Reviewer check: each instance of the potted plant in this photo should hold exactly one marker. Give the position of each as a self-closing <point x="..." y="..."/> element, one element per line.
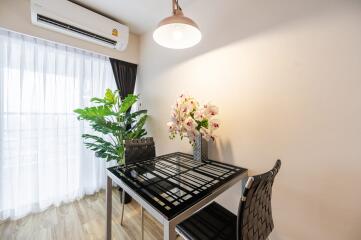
<point x="194" y="121"/>
<point x="112" y="122"/>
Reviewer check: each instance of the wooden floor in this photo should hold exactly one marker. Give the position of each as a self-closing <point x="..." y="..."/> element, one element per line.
<point x="82" y="219"/>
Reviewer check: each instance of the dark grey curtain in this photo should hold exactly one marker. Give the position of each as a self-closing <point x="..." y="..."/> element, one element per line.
<point x="125" y="75"/>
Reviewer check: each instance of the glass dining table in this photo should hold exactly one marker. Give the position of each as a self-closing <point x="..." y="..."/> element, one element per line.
<point x="171" y="187"/>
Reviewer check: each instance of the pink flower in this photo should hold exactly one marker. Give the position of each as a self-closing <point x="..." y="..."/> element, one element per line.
<point x="210" y="110"/>
<point x="171" y="126"/>
<point x="190" y="124"/>
<point x="214" y="124"/>
<point x="198" y="115"/>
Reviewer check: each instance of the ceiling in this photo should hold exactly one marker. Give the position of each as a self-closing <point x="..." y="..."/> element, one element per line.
<point x="140" y="15"/>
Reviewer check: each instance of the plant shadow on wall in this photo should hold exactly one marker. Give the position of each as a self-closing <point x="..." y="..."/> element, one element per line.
<point x="239" y="20"/>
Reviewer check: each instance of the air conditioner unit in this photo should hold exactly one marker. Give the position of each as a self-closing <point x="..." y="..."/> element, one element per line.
<point x="71" y="19"/>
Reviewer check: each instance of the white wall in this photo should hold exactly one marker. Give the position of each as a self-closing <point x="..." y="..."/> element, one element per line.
<point x="286" y="75"/>
<point x="15" y="16"/>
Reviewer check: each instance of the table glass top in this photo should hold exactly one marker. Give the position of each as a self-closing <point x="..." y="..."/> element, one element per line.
<point x="174" y="182"/>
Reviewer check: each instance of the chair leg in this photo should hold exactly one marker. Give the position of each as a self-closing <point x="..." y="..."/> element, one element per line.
<point x="142" y="217"/>
<point x="123" y="200"/>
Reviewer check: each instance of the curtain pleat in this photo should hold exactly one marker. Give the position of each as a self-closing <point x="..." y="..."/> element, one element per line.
<point x="125" y="74"/>
<point x="43" y="160"/>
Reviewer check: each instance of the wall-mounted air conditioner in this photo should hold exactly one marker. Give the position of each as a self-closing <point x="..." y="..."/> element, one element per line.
<point x="71" y="19"/>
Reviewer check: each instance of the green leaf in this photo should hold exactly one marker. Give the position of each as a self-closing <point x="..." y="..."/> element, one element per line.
<point x="98" y="100"/>
<point x="110" y="97"/>
<point x="203" y="123"/>
<point x="138" y="128"/>
<point x="107" y="127"/>
<point x="127" y="103"/>
<point x="133" y="115"/>
<point x="93" y="113"/>
<point x="131" y="118"/>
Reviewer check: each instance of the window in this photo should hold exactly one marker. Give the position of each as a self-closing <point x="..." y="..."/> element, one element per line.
<point x="42" y="157"/>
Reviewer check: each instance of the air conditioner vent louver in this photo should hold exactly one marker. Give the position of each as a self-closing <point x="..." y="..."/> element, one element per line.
<point x="68" y="27"/>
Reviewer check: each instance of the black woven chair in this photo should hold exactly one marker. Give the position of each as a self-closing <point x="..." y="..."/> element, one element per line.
<point x="137" y="150"/>
<point x="254" y="220"/>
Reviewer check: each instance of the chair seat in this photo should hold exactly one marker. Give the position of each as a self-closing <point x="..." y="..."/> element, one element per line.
<point x="213" y="222"/>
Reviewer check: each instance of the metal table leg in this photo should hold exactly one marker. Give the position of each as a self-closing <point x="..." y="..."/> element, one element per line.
<point x="109" y="209"/>
<point x="123" y="202"/>
<point x="142" y="216"/>
<point x="169" y="231"/>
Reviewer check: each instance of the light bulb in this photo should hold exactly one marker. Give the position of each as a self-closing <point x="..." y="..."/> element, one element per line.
<point x="177" y="35"/>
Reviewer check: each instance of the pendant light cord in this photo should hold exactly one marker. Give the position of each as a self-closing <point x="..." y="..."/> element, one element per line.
<point x="176" y="6"/>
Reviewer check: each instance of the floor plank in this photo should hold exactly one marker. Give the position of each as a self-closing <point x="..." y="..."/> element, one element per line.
<point x="83" y="219"/>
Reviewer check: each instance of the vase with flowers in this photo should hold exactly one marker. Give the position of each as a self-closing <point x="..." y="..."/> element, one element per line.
<point x="194" y="121"/>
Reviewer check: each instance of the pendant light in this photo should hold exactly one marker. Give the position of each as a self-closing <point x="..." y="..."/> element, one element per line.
<point x="177" y="31"/>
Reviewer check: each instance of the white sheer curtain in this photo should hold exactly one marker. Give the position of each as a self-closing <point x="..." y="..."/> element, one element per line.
<point x="42" y="157"/>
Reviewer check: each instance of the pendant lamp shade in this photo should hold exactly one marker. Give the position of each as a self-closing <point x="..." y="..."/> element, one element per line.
<point x="177" y="31"/>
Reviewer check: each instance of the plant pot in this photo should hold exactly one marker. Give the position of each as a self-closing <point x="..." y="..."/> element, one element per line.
<point x="127" y="198"/>
<point x="200" y="149"/>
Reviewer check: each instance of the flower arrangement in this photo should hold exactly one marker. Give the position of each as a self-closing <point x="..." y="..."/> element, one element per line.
<point x="189" y="119"/>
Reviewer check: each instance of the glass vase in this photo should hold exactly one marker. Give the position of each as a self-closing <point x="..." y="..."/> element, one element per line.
<point x="200" y="149"/>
